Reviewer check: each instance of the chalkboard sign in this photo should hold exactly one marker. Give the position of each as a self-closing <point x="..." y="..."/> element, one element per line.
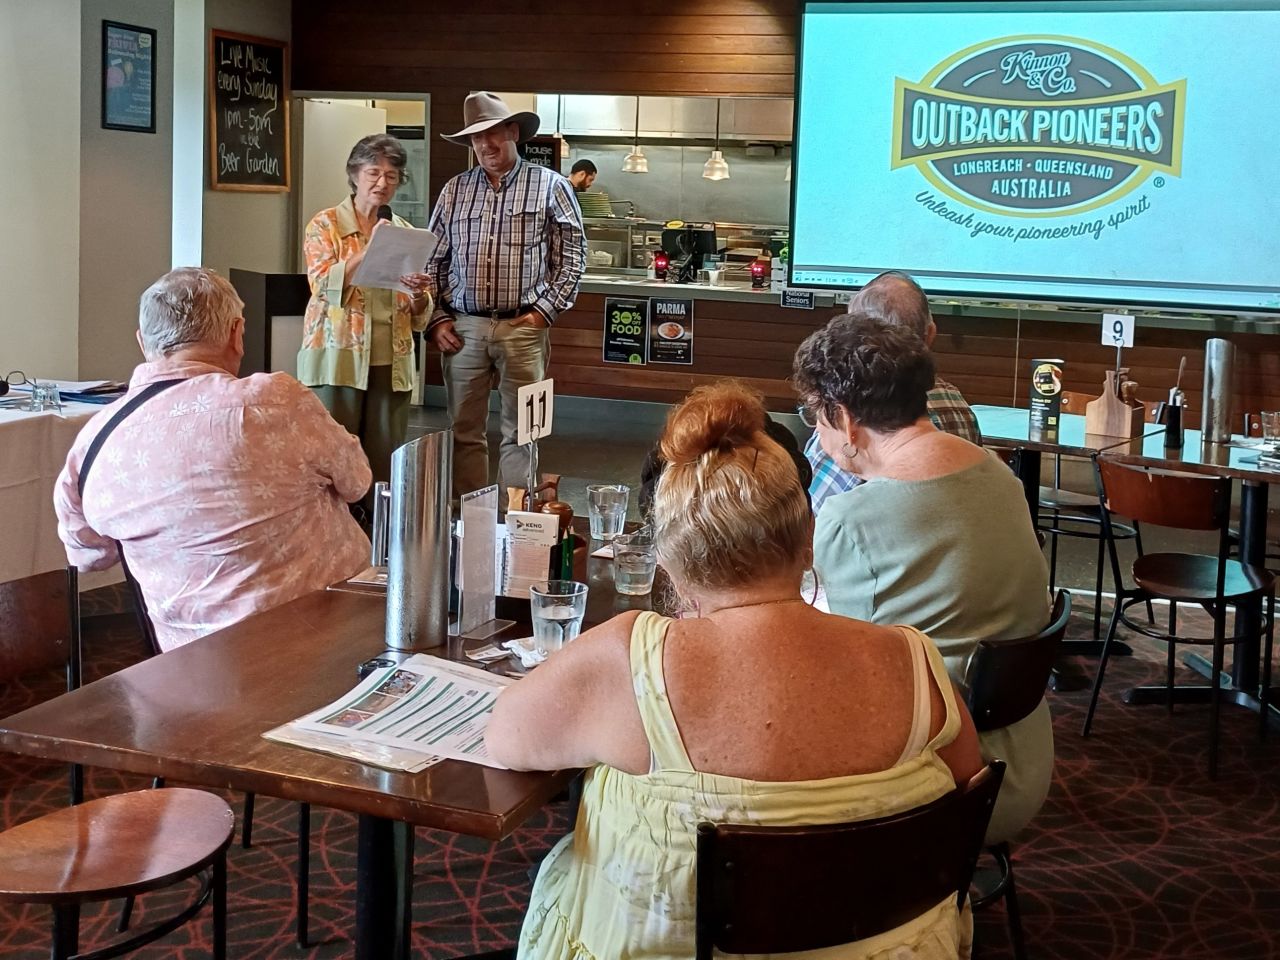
<point x="542" y="152"/>
<point x="248" y="113"/>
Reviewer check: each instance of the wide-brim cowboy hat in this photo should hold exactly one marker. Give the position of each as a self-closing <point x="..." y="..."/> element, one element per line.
<point x="483" y="110"/>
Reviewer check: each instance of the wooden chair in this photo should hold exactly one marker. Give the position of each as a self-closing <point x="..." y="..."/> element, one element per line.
<point x="782" y="889"/>
<point x="120" y="846"/>
<point x="39" y="629"/>
<point x="303" y="901"/>
<point x="1079" y="515"/>
<point x="1185" y="502"/>
<point x="1005" y="680"/>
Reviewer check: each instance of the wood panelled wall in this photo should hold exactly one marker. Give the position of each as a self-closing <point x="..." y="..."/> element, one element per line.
<point x="984" y="357"/>
<point x="650" y="47"/>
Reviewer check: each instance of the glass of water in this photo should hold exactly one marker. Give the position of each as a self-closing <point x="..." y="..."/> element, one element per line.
<point x="1271" y="429"/>
<point x="558" y="607"/>
<point x="635" y="560"/>
<point x="607" y="508"/>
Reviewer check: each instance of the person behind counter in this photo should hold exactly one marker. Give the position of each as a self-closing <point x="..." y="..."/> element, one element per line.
<point x="357" y="342"/>
<point x="833" y="719"/>
<point x="582" y="175"/>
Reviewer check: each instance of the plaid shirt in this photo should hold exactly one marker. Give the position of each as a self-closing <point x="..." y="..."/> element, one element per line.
<point x="518" y="246"/>
<point x="948" y="411"/>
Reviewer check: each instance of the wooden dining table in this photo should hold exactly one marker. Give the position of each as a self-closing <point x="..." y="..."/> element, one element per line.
<point x="197" y="715"/>
<point x="1236" y="459"/>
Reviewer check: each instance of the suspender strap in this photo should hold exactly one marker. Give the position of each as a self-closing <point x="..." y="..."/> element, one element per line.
<point x="134" y="402"/>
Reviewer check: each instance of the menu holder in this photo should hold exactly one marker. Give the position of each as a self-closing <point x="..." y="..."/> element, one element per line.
<point x="1112" y="415"/>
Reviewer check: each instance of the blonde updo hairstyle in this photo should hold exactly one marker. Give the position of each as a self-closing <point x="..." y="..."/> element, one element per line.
<point x="729" y="507"/>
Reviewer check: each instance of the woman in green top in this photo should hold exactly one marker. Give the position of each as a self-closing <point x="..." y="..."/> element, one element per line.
<point x="938" y="537"/>
<point x="357" y="342"/>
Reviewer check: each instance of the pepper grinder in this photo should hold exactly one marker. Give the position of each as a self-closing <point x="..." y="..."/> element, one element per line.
<point x="1173" y="412"/>
<point x="1173" y="420"/>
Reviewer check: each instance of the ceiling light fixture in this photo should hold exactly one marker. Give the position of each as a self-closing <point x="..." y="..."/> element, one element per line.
<point x="636" y="161"/>
<point x="716" y="168"/>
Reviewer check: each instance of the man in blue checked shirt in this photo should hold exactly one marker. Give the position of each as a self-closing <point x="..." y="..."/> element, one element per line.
<point x="896" y="297"/>
<point x="510" y="260"/>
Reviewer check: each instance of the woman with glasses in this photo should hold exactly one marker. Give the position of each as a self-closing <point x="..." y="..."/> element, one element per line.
<point x="357" y="342"/>
<point x="937" y="536"/>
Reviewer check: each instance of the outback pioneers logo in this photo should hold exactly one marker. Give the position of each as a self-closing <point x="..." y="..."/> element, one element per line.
<point x="1037" y="126"/>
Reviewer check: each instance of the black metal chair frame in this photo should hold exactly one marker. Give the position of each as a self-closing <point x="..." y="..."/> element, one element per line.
<point x="1084" y="522"/>
<point x="1215" y="606"/>
<point x="994" y="703"/>
<point x="302" y="904"/>
<point x="213" y="886"/>
<point x="758" y="891"/>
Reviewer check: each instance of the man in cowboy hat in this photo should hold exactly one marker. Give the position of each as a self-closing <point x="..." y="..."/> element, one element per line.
<point x="511" y="255"/>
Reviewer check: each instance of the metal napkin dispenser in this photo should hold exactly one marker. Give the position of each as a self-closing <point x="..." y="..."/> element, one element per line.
<point x="418" y="540"/>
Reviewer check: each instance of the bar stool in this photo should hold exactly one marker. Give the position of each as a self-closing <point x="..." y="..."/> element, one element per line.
<point x="1185" y="502"/>
<point x="120" y="846"/>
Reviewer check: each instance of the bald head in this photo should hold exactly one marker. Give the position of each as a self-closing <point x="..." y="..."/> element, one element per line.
<point x="895" y="297"/>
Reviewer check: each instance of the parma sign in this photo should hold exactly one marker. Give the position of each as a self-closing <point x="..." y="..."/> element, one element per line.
<point x="1037" y="126"/>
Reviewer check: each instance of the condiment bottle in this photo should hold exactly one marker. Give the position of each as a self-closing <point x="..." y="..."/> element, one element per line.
<point x="561" y="566"/>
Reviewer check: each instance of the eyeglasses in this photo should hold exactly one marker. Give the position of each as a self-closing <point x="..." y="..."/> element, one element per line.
<point x="373" y="175"/>
<point x="808" y="416"/>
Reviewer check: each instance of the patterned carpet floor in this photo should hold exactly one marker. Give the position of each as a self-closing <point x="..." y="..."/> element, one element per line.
<point x="1136" y="854"/>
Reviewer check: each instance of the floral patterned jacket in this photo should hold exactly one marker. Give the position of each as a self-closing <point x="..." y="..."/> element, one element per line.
<point x="337" y="326"/>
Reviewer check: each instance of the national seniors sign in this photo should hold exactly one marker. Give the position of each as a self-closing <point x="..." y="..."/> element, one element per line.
<point x="1037" y="126"/>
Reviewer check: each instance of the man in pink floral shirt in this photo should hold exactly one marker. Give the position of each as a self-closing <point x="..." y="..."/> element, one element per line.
<point x="228" y="496"/>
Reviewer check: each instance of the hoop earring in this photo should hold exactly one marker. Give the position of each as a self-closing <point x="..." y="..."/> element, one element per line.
<point x="844" y="451"/>
<point x="817" y="587"/>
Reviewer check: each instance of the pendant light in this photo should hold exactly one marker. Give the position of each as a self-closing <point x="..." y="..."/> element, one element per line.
<point x="564" y="144"/>
<point x="716" y="168"/>
<point x="636" y="161"/>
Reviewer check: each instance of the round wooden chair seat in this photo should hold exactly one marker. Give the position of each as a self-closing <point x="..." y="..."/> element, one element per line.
<point x="114" y="846"/>
<point x="1194" y="577"/>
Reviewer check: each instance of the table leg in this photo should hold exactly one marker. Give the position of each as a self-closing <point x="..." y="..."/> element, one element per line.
<point x="1029" y="474"/>
<point x="379" y="933"/>
<point x="1253" y="550"/>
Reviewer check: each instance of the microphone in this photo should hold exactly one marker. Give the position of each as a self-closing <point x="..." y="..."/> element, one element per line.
<point x="384" y="212"/>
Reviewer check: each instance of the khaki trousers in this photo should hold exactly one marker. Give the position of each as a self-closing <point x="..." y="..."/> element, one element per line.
<point x="515" y="356"/>
<point x="379" y="416"/>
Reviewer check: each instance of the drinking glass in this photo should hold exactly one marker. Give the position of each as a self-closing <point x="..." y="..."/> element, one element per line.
<point x="558" y="607"/>
<point x="635" y="560"/>
<point x="44" y="396"/>
<point x="1271" y="429"/>
<point x="607" y="508"/>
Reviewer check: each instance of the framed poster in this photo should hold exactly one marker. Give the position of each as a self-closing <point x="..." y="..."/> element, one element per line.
<point x="128" y="77"/>
<point x="248" y="113"/>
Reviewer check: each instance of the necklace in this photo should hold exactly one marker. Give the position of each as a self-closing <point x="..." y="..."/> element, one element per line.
<point x="756" y="603"/>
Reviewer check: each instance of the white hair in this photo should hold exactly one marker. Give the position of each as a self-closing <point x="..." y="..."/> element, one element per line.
<point x="188" y="305"/>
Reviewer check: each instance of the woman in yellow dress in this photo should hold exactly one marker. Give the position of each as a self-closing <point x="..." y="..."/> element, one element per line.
<point x="758" y="710"/>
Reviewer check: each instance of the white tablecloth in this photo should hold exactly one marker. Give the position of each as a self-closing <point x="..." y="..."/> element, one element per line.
<point x="33" y="448"/>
